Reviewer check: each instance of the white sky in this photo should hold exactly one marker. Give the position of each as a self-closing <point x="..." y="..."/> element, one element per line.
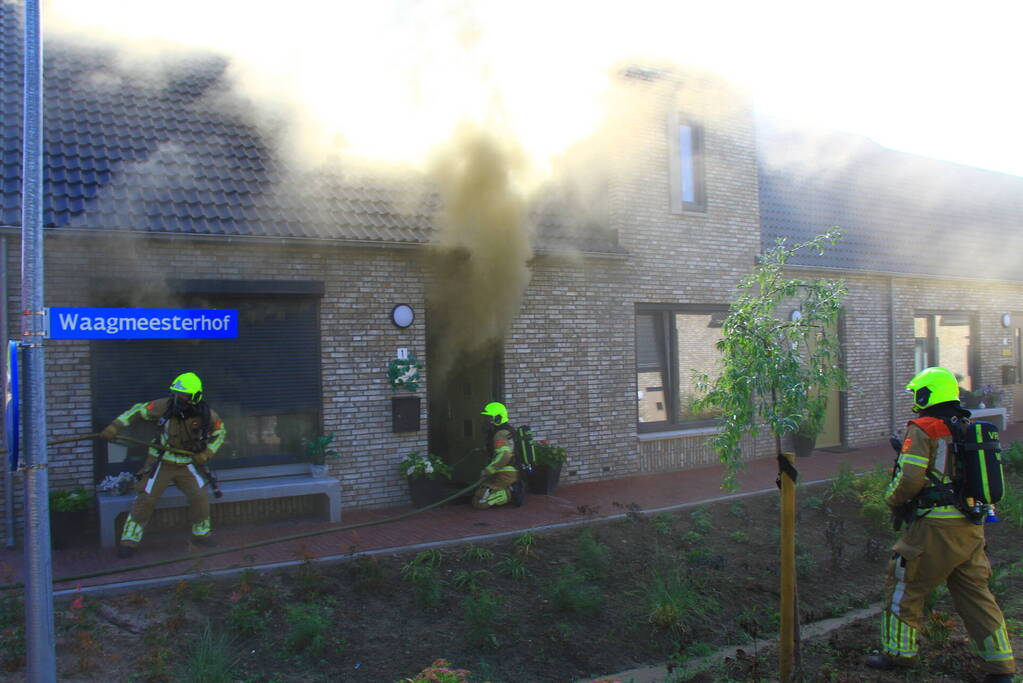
<point x="935" y="78"/>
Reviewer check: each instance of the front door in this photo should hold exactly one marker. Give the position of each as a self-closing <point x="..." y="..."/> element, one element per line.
<point x="457" y="428"/>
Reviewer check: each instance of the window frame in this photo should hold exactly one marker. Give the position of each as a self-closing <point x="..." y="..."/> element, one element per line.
<point x="667" y="352"/>
<point x="931" y="347"/>
<point x="676" y="175"/>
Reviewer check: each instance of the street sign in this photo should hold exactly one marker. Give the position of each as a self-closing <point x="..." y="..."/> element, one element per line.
<point x="11" y="420"/>
<point x="142" y="323"/>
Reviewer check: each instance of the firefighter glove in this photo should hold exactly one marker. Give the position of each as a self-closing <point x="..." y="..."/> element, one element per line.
<point x="109" y="432"/>
<point x="203" y="457"/>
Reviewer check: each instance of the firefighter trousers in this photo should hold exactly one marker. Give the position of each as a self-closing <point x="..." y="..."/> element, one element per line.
<point x="187" y="478"/>
<point x="950" y="551"/>
<point x="494" y="489"/>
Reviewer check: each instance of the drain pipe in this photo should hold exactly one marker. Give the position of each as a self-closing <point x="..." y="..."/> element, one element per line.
<point x="4" y="333"/>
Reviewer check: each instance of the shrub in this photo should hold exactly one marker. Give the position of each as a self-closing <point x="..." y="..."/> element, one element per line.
<point x="481" y="612"/>
<point x="672" y="599"/>
<point x="594" y="557"/>
<point x="210" y="660"/>
<point x="307" y="628"/>
<point x="571" y="593"/>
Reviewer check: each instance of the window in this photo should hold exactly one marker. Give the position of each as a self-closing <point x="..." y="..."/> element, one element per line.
<point x="672" y="342"/>
<point x="688" y="191"/>
<point x="265" y="384"/>
<point x="945" y="339"/>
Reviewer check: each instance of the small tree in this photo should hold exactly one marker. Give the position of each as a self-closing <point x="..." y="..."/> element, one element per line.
<point x="775" y="371"/>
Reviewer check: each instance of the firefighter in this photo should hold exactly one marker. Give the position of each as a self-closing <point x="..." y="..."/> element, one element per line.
<point x="501" y="481"/>
<point x="184" y="421"/>
<point x="940" y="544"/>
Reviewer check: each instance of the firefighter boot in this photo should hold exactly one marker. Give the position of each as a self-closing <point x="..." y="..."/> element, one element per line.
<point x="204" y="541"/>
<point x="518" y="493"/>
<point x="125" y="551"/>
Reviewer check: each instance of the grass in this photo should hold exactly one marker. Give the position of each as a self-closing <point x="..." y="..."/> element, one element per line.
<point x="212" y="659"/>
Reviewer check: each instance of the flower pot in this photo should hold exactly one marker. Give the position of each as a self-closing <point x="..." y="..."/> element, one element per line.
<point x="426" y="491"/>
<point x="67" y="526"/>
<point x="803" y="445"/>
<point x="318" y="471"/>
<point x="543" y="480"/>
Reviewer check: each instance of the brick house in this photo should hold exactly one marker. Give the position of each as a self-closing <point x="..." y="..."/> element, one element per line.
<point x="163" y="193"/>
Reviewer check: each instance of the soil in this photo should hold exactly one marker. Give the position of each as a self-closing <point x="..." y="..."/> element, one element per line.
<point x="564" y="606"/>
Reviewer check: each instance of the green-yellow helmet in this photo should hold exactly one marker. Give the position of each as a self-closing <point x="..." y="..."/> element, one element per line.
<point x="933" y="386"/>
<point x="189" y="384"/>
<point x="497" y="411"/>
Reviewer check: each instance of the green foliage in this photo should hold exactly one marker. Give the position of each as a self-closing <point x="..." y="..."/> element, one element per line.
<point x="476" y="553"/>
<point x="366" y="574"/>
<point x="422" y="573"/>
<point x="481" y="612"/>
<point x="513" y="567"/>
<point x="469" y="580"/>
<point x="594" y="557"/>
<point x="739" y="536"/>
<point x="416" y="465"/>
<point x="672" y="599"/>
<point x="702" y="523"/>
<point x="12" y="632"/>
<point x="737" y="509"/>
<point x="813" y="502"/>
<point x="1012" y="458"/>
<point x="1010" y="507"/>
<point x="572" y="593"/>
<point x="439" y="672"/>
<point x="774" y="370"/>
<point x="664" y="523"/>
<point x="318" y="449"/>
<point x="525" y="542"/>
<point x="870" y="489"/>
<point x="692" y="538"/>
<point x="71" y="500"/>
<point x="308" y="626"/>
<point x="251" y="610"/>
<point x="549" y="454"/>
<point x="805" y="565"/>
<point x="843" y="485"/>
<point x="209" y="659"/>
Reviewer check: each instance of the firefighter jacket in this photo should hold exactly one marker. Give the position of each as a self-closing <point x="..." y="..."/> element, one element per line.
<point x="191" y="432"/>
<point x="926" y="456"/>
<point x="502" y="451"/>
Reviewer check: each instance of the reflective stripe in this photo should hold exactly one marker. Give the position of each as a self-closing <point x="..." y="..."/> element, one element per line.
<point x="910" y="459"/>
<point x="897" y="637"/>
<point x="900" y="585"/>
<point x="942" y="512"/>
<point x="139" y="408"/>
<point x="132" y="530"/>
<point x="202" y="528"/>
<point x="152" y="478"/>
<point x="195" y="473"/>
<point x="940" y="455"/>
<point x="996" y="647"/>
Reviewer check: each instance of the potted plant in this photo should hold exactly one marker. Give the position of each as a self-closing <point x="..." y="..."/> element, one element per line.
<point x="122" y="484"/>
<point x="425" y="474"/>
<point x="70" y="513"/>
<point x="318" y="450"/>
<point x="989" y="396"/>
<point x="547" y="471"/>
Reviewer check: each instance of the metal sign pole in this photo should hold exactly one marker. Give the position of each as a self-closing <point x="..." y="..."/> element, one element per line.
<point x="39" y="629"/>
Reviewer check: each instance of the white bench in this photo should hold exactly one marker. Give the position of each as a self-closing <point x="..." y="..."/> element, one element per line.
<point x="998" y="416"/>
<point x="241" y="484"/>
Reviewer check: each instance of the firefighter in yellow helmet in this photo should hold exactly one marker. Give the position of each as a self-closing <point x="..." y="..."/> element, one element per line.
<point x="501" y="480"/>
<point x="940" y="544"/>
<point x="184" y="421"/>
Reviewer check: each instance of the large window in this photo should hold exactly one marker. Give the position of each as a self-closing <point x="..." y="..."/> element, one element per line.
<point x="265" y="384"/>
<point x="688" y="191"/>
<point x="946" y="340"/>
<point x="672" y="342"/>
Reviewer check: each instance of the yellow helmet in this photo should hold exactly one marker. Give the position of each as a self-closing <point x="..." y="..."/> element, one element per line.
<point x="189" y="384"/>
<point x="933" y="386"/>
<point x="497" y="411"/>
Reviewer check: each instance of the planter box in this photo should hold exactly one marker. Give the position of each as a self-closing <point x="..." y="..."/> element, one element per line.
<point x="426" y="491"/>
<point x="67" y="527"/>
<point x="543" y="480"/>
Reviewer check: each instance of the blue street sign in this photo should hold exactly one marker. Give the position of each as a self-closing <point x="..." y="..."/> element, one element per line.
<point x="11" y="420"/>
<point x="142" y="323"/>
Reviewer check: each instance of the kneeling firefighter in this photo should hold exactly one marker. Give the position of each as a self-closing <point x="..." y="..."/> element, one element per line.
<point x="940" y="544"/>
<point x="501" y="481"/>
<point x="185" y="422"/>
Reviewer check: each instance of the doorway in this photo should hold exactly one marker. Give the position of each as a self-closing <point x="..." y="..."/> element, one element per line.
<point x="455" y="400"/>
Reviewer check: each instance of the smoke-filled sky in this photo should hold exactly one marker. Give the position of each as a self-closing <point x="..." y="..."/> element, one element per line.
<point x="392" y="79"/>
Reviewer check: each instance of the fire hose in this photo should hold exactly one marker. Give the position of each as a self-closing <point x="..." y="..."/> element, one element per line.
<point x="246" y="546"/>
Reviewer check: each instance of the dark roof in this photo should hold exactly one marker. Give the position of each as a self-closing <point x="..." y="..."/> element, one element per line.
<point x="901" y="213"/>
<point x="170" y="151"/>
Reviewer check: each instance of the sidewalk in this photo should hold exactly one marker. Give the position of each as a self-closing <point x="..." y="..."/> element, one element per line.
<point x="572" y="503"/>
